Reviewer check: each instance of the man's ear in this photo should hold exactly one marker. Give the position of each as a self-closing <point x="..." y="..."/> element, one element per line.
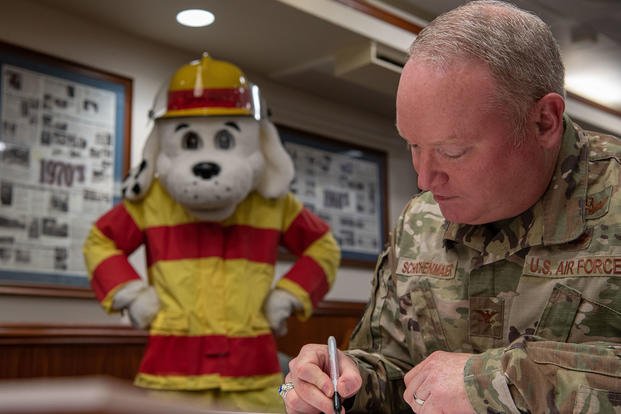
<point x="548" y="118"/>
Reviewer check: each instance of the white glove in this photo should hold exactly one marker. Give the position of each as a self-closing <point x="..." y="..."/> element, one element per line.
<point x="141" y="303"/>
<point x="125" y="295"/>
<point x="279" y="305"/>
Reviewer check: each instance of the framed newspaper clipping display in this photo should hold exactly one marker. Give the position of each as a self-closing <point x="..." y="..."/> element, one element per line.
<point x="345" y="185"/>
<point x="64" y="150"/>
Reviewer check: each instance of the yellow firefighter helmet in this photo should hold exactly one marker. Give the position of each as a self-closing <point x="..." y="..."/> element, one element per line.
<point x="208" y="87"/>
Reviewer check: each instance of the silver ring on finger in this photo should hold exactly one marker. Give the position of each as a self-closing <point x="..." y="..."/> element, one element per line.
<point x="419" y="401"/>
<point x="284" y="389"/>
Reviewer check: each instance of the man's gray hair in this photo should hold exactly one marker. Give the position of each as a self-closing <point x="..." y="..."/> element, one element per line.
<point x="517" y="46"/>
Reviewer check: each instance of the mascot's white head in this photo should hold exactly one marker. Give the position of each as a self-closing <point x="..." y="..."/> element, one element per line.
<point x="211" y="143"/>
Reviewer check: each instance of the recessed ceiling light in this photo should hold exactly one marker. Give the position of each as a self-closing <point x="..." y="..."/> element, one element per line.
<point x="195" y="17"/>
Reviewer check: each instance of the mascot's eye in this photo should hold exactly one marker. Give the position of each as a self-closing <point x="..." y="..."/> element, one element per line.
<point x="191" y="140"/>
<point x="224" y="139"/>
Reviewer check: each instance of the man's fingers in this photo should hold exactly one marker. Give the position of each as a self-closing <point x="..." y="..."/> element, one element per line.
<point x="349" y="381"/>
<point x="415" y="379"/>
<point x="416" y="370"/>
<point x="295" y="404"/>
<point x="313" y="385"/>
<point x="313" y="396"/>
<point x="414" y="387"/>
<point x="310" y="367"/>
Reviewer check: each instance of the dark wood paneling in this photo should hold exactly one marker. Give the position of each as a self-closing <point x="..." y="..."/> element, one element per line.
<point x="60" y="360"/>
<point x="28" y="351"/>
<point x="44" y="350"/>
<point x="330" y="318"/>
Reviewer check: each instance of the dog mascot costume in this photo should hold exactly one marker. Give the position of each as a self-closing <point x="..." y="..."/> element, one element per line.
<point x="210" y="202"/>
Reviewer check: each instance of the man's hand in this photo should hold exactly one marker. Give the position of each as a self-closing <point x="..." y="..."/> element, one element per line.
<point x="436" y="385"/>
<point x="313" y="389"/>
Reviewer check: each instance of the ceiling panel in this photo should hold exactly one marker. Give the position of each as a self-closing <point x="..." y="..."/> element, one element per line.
<point x="588" y="31"/>
<point x="290" y="46"/>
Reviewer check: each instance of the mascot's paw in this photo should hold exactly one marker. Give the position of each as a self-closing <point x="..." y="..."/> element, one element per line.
<point x="138" y="181"/>
<point x="140" y="300"/>
<point x="144" y="308"/>
<point x="279" y="305"/>
<point x="128" y="293"/>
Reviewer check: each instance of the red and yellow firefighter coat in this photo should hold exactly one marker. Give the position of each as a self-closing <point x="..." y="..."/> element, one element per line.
<point x="211" y="279"/>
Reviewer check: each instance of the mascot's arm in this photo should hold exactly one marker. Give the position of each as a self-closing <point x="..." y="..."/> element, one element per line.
<point x="314" y="271"/>
<point x="113" y="237"/>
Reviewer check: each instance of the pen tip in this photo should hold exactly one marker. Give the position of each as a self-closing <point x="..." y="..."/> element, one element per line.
<point x="337" y="403"/>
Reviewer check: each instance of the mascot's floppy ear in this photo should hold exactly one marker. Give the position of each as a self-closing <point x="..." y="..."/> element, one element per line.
<point x="138" y="181"/>
<point x="278" y="171"/>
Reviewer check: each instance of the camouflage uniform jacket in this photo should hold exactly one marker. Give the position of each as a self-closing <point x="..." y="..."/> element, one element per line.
<point x="536" y="298"/>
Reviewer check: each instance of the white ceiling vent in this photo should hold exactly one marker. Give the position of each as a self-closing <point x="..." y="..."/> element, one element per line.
<point x="372" y="65"/>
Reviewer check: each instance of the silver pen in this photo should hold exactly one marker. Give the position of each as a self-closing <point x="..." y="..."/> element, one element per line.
<point x="334" y="372"/>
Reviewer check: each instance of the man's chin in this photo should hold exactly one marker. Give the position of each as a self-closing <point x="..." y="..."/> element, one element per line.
<point x="459" y="215"/>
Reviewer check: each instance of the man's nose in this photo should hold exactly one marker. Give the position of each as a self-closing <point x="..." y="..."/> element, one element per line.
<point x="428" y="171"/>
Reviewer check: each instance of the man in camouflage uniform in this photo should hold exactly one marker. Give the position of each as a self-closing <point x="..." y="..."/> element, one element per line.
<point x="500" y="290"/>
<point x="535" y="297"/>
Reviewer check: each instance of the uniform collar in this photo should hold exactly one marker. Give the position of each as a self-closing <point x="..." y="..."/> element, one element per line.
<point x="563" y="202"/>
<point x="557" y="217"/>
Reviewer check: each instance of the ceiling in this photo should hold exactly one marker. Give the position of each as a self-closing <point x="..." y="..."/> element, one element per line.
<point x="588" y="32"/>
<point x="320" y="53"/>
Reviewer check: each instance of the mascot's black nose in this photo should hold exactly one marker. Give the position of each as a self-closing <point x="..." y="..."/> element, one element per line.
<point x="206" y="170"/>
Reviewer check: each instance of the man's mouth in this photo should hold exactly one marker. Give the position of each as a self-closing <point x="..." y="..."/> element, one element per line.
<point x="441" y="198"/>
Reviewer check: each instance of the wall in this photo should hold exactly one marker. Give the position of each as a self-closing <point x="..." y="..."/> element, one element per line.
<point x="29" y="24"/>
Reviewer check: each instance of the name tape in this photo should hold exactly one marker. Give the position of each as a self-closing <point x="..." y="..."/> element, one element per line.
<point x="578" y="266"/>
<point x="433" y="268"/>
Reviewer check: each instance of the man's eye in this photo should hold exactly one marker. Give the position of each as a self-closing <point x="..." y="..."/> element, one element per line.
<point x="224" y="140"/>
<point x="452" y="152"/>
<point x="191" y="141"/>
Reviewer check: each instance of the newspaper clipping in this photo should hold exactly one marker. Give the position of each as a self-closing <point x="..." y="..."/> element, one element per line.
<point x="344" y="191"/>
<point x="57" y="149"/>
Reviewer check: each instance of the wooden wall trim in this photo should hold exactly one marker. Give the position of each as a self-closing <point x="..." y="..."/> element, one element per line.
<point x="47" y="291"/>
<point x="340" y="309"/>
<point x="16" y="333"/>
<point x="381" y="14"/>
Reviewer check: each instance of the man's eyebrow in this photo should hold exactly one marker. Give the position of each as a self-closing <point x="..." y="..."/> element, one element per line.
<point x="232" y="125"/>
<point x="181" y="126"/>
